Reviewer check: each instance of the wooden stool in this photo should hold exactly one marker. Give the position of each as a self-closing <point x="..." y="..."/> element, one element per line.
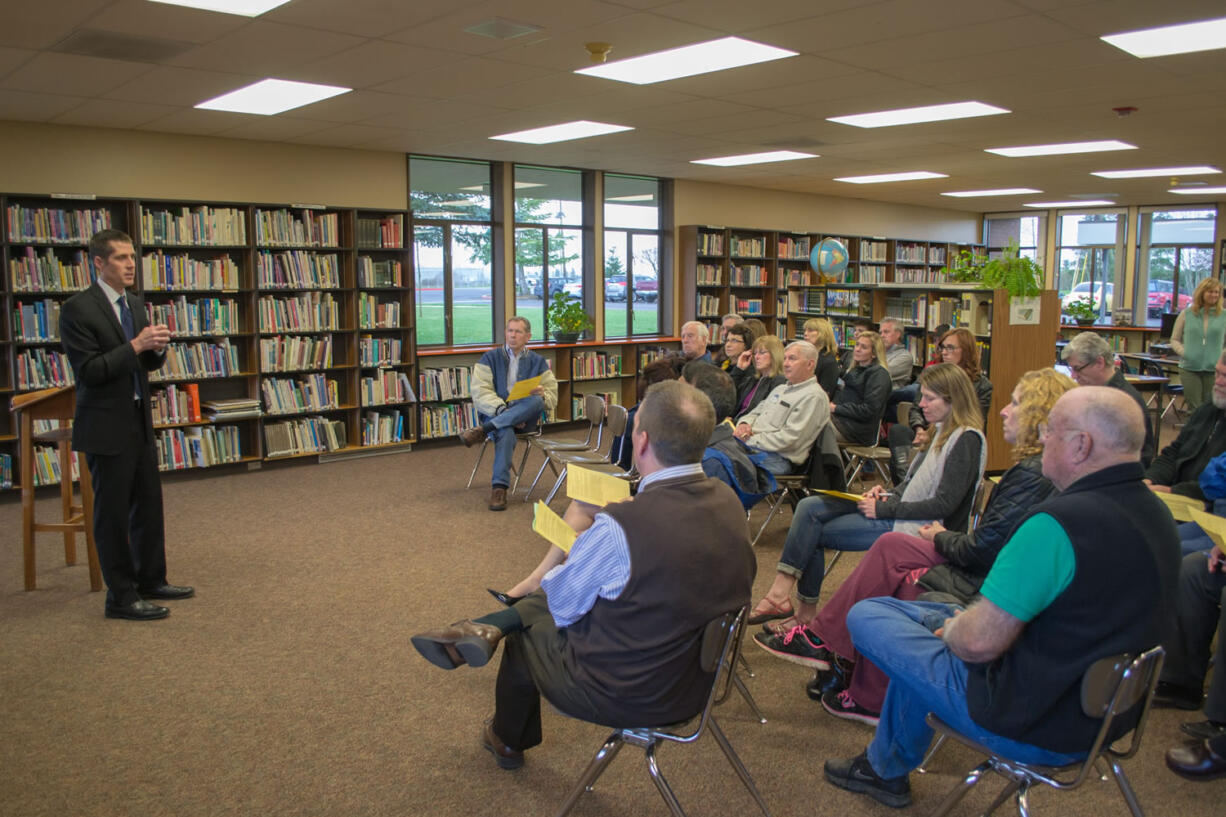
<point x="55" y="404"/>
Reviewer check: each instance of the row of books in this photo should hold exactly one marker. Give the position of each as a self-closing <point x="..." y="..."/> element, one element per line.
<point x="870" y="274"/>
<point x="304" y="435"/>
<point x="233" y="408"/>
<point x="595" y="365"/>
<point x="288" y="353"/>
<point x="203" y="316"/>
<point x="387" y="386"/>
<point x="382" y="427"/>
<point x="387" y="232"/>
<point x="708" y="275"/>
<point x="807" y="300"/>
<point x="376" y="314"/>
<point x="921" y="275"/>
<point x="922" y="312"/>
<point x="374" y="351"/>
<point x="51" y="225"/>
<point x="6" y="471"/>
<point x="40" y="368"/>
<point x="796" y="249"/>
<point x="649" y="354"/>
<point x="303" y="228"/>
<point x="298" y="270"/>
<point x="577" y="400"/>
<point x="798" y="278"/>
<point x="873" y="250"/>
<point x="445" y="384"/>
<point x="844" y="301"/>
<point x="204" y="226"/>
<point x="168" y="272"/>
<point x="175" y="404"/>
<point x="708" y="304"/>
<point x="749" y="275"/>
<point x="749" y="306"/>
<point x="310" y="393"/>
<point x="748" y="247"/>
<point x="385" y="273"/>
<point x="710" y="243"/>
<point x="306" y="312"/>
<point x="191" y="361"/>
<point x="32" y="272"/>
<point x="197" y="447"/>
<point x="39" y="320"/>
<point x="446" y="419"/>
<point x="47" y="466"/>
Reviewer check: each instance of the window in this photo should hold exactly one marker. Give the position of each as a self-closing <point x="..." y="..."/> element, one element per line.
<point x="632" y="256"/>
<point x="1026" y="230"/>
<point x="1176" y="253"/>
<point x="1089" y="248"/>
<point x="549" y="247"/>
<point x="453" y="259"/>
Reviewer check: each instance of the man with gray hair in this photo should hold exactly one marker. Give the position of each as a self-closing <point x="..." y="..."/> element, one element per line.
<point x="716" y="349"/>
<point x="1091" y="362"/>
<point x="694" y="337"/>
<point x="1007" y="670"/>
<point x="613" y="635"/>
<point x="785" y="425"/>
<point x="898" y="360"/>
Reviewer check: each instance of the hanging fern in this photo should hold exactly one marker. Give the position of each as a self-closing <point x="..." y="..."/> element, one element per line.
<point x="1019" y="276"/>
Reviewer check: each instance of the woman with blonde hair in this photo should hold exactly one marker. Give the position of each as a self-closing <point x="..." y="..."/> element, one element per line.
<point x="820" y="333"/>
<point x="757" y="372"/>
<point x="947" y="561"/>
<point x="857" y="409"/>
<point x="939" y="487"/>
<point x="1197" y="337"/>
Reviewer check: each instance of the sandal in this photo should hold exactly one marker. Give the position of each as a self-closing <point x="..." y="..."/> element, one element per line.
<point x="781" y="626"/>
<point x="767" y="610"/>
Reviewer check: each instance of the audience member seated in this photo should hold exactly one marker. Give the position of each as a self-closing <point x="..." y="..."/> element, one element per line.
<point x="757" y="373"/>
<point x="785" y="425"/>
<point x="857" y="410"/>
<point x="657" y="371"/>
<point x="614" y="637"/>
<point x="946" y="560"/>
<point x="898" y="359"/>
<point x="694" y="338"/>
<point x="726" y="458"/>
<point x="1092" y="363"/>
<point x="820" y="333"/>
<point x="715" y="346"/>
<point x="492" y="378"/>
<point x="858" y="326"/>
<point x="909" y="393"/>
<point x="940" y="486"/>
<point x="756" y="328"/>
<point x="1007" y="671"/>
<point x="737" y="341"/>
<point x="957" y="346"/>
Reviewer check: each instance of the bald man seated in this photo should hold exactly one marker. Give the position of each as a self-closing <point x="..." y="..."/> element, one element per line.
<point x="1007" y="670"/>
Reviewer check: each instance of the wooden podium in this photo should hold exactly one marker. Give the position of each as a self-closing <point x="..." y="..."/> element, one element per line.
<point x="55" y="404"/>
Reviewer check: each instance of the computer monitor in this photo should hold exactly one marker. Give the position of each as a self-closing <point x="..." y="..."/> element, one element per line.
<point x="1168" y="324"/>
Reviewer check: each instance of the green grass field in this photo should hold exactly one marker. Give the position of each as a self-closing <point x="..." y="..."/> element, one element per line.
<point x="473" y="322"/>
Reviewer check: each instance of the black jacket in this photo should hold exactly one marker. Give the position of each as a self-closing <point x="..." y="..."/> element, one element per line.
<point x="745" y="380"/>
<point x="971" y="555"/>
<point x="860" y="405"/>
<point x="828" y="373"/>
<point x="1180" y="463"/>
<point x="983" y="391"/>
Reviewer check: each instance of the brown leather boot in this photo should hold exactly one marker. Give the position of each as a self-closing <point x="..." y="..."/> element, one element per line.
<point x="504" y="756"/>
<point x="465" y="642"/>
<point x="498" y="498"/>
<point x="472" y="436"/>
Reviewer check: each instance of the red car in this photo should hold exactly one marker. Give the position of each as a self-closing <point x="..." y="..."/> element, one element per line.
<point x="646" y="289"/>
<point x="1159" y="300"/>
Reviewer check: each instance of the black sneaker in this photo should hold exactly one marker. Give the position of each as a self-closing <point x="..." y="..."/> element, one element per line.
<point x="842" y="705"/>
<point x="855" y="774"/>
<point x="835" y="679"/>
<point x="1203" y="730"/>
<point x="798" y="645"/>
<point x="1177" y="697"/>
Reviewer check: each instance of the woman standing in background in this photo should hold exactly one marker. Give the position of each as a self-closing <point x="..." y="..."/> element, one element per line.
<point x="1198" y="338"/>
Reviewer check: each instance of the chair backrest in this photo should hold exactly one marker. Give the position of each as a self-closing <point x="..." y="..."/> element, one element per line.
<point x="616" y="419"/>
<point x="721" y="640"/>
<point x="593" y="408"/>
<point x="904" y="412"/>
<point x="983" y="492"/>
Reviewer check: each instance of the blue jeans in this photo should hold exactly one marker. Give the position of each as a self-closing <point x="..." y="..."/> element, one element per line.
<point x="925" y="676"/>
<point x="523" y="412"/>
<point x="820" y="522"/>
<point x="777" y="464"/>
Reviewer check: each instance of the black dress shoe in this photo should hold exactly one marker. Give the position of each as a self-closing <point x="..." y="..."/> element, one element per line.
<point x="1203" y="730"/>
<point x="464" y="642"/>
<point x="167" y="591"/>
<point x="504" y="756"/>
<point x="1177" y="697"/>
<point x="503" y="598"/>
<point x="1196" y="761"/>
<point x="139" y="610"/>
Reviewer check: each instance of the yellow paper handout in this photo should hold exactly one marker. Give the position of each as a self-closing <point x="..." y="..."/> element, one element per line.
<point x="1214" y="526"/>
<point x="1181" y="506"/>
<point x="552" y="527"/>
<point x="523" y="388"/>
<point x="594" y="487"/>
<point x="840" y="495"/>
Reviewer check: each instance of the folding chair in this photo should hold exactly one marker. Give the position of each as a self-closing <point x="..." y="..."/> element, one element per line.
<point x="594" y="412"/>
<point x="795" y="486"/>
<point x="615" y="426"/>
<point x="525" y="438"/>
<point x="1110" y="688"/>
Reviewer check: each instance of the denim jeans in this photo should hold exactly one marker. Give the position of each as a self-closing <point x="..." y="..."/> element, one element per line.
<point x="525" y="411"/>
<point x="820" y="522"/>
<point x="777" y="464"/>
<point x="925" y="676"/>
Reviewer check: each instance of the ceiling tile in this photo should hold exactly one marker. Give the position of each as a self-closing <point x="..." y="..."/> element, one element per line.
<point x="112" y="113"/>
<point x="141" y="18"/>
<point x="30" y="25"/>
<point x="365" y="18"/>
<point x="372" y="63"/>
<point x="26" y="107"/>
<point x="12" y="58"/>
<point x="72" y="74"/>
<point x="195" y="122"/>
<point x="266" y="49"/>
<point x="462" y="75"/>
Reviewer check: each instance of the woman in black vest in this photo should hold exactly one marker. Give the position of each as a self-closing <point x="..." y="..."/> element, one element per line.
<point x="857" y="410"/>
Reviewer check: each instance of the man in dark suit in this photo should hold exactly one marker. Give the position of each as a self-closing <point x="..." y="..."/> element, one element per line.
<point x="111" y="346"/>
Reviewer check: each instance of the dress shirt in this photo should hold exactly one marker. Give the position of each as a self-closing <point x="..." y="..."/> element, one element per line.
<point x="599" y="561"/>
<point x="513" y="365"/>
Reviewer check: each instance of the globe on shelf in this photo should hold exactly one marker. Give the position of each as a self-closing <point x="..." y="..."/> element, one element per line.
<point x="829" y="260"/>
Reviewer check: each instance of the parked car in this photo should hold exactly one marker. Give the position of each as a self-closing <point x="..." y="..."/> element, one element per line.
<point x="1160" y="299"/>
<point x="646" y="289"/>
<point x="554" y="288"/>
<point x="574" y="289"/>
<point x="615" y="288"/>
<point x="1082" y="291"/>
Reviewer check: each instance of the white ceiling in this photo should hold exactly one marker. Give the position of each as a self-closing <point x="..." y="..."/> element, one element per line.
<point x="424" y="85"/>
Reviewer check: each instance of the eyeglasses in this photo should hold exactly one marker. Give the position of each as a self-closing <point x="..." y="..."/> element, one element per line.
<point x="1078" y="369"/>
<point x="949" y="347"/>
<point x="734" y="339"/>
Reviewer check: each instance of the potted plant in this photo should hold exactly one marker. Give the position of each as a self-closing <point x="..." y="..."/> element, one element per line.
<point x="1018" y="275"/>
<point x="566" y="318"/>
<point x="1083" y="311"/>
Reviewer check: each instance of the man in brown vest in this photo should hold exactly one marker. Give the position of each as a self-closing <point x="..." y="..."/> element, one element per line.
<point x="613" y="635"/>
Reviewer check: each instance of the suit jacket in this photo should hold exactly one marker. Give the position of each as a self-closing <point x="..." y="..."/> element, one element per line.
<point x="103" y="361"/>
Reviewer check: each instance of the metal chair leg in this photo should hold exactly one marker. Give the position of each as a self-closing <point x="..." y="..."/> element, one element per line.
<point x="477" y="464"/>
<point x="547" y="463"/>
<point x="955" y="796"/>
<point x="932" y="750"/>
<point x="744" y="690"/>
<point x="740" y="659"/>
<point x="1130" y="797"/>
<point x="519" y="472"/>
<point x="556" y="486"/>
<point x="594" y="769"/>
<point x="737" y="765"/>
<point x="657" y="777"/>
<point x="1010" y="787"/>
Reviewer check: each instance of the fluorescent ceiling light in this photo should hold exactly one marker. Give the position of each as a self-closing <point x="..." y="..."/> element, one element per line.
<point x="754" y="158"/>
<point x="1206" y="35"/>
<point x="911" y="116"/>
<point x="1148" y="172"/>
<point x="1080" y="203"/>
<point x="1064" y="147"/>
<point x="1197" y="191"/>
<point x="271" y="96"/>
<point x="688" y="61"/>
<point x="893" y="177"/>
<point x="636" y="197"/>
<point x="246" y="8"/>
<point x="1004" y="191"/>
<point x="563" y="132"/>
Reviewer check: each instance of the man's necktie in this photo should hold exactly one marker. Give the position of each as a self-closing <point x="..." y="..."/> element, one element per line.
<point x="129" y="332"/>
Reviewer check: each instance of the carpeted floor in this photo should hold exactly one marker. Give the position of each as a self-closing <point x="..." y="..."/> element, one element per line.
<point x="287" y="686"/>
